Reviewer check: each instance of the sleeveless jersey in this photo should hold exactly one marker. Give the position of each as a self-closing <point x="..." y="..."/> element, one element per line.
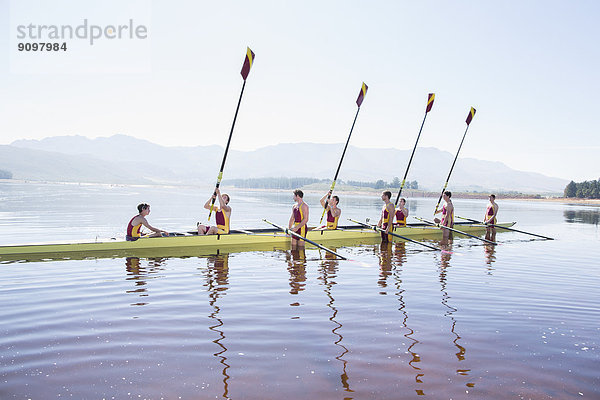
<point x="332" y="221"/>
<point x="446" y="217"/>
<point x="298" y="217"/>
<point x="133" y="230"/>
<point x="222" y="221"/>
<point x="400" y="218"/>
<point x="488" y="213"/>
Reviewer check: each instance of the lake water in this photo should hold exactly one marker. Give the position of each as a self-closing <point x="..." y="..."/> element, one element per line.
<point x="517" y="321"/>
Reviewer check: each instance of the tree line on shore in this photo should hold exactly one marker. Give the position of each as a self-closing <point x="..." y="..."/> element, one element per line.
<point x="583" y="190"/>
<point x="5" y="174"/>
<point x="293" y="183"/>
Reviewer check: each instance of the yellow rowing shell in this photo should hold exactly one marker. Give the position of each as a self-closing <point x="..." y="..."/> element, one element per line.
<point x="190" y="245"/>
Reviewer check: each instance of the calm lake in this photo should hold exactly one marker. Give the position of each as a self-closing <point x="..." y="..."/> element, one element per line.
<point x="517" y="321"/>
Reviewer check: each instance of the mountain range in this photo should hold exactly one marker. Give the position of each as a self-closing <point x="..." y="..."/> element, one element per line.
<point x="125" y="160"/>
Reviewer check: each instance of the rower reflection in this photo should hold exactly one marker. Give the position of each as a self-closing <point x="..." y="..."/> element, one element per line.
<point x="443" y="270"/>
<point x="490" y="256"/>
<point x="217" y="283"/>
<point x="140" y="275"/>
<point x="385" y="263"/>
<point x="296" y="259"/>
<point x="329" y="268"/>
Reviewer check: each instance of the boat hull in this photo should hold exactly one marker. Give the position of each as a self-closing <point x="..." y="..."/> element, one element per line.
<point x="189" y="244"/>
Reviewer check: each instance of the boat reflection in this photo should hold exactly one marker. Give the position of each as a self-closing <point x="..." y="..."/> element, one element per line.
<point x="140" y="274"/>
<point x="329" y="268"/>
<point x="443" y="271"/>
<point x="582" y="216"/>
<point x="217" y="283"/>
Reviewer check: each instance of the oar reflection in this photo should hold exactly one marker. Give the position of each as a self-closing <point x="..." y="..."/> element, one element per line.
<point x="461" y="353"/>
<point x="329" y="268"/>
<point x="217" y="283"/>
<point x="398" y="260"/>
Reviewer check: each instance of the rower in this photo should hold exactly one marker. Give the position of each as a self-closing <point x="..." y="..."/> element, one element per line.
<point x="135" y="224"/>
<point x="299" y="218"/>
<point x="490" y="218"/>
<point x="222" y="215"/>
<point x="447" y="215"/>
<point x="387" y="216"/>
<point x="333" y="212"/>
<point x="401" y="214"/>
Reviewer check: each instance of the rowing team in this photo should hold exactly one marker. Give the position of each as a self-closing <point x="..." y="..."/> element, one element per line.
<point x="299" y="218"/>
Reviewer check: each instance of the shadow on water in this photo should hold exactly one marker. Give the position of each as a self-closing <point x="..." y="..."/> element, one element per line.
<point x="444" y="268"/>
<point x="140" y="275"/>
<point x="582" y="216"/>
<point x="329" y="268"/>
<point x="217" y="283"/>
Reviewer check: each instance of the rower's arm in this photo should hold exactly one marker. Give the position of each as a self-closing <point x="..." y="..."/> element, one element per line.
<point x="208" y="202"/>
<point x="153" y="229"/>
<point x="324" y="198"/>
<point x="222" y="204"/>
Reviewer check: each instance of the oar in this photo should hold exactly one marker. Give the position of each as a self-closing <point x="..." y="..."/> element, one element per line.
<point x="456" y="230"/>
<point x="430" y="99"/>
<point x="294" y="234"/>
<point x="378" y="229"/>
<point x="359" y="100"/>
<point x="245" y="71"/>
<point x="504" y="227"/>
<point x="468" y="121"/>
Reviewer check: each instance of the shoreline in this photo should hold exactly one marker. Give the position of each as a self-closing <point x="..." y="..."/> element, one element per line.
<point x="408" y="193"/>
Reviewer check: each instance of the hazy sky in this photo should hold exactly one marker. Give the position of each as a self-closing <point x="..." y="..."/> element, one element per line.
<point x="530" y="68"/>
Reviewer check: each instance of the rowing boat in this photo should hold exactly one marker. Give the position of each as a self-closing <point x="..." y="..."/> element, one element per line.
<point x="236" y="240"/>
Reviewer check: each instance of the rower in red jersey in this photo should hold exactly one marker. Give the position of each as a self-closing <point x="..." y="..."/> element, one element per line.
<point x="387" y="216"/>
<point x="401" y="214"/>
<point x="447" y="215"/>
<point x="134" y="226"/>
<point x="490" y="218"/>
<point x="299" y="219"/>
<point x="333" y="212"/>
<point x="222" y="215"/>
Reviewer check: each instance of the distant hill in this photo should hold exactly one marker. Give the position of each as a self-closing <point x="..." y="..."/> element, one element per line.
<point x="124" y="159"/>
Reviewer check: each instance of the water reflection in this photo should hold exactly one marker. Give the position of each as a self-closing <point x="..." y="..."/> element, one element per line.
<point x="296" y="260"/>
<point x="385" y="263"/>
<point x="398" y="260"/>
<point x="328" y="271"/>
<point x="217" y="283"/>
<point x="140" y="275"/>
<point x="443" y="271"/>
<point x="582" y="216"/>
<point x="490" y="256"/>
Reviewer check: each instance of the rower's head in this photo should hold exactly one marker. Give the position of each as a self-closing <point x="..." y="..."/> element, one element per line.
<point x="492" y="197"/>
<point x="226" y="197"/>
<point x="334" y="200"/>
<point x="447" y="195"/>
<point x="298" y="194"/>
<point x="402" y="201"/>
<point x="143" y="207"/>
<point x="386" y="196"/>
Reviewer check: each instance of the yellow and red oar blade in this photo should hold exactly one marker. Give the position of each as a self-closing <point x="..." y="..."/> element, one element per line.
<point x="470" y="116"/>
<point x="362" y="94"/>
<point x="430" y="100"/>
<point x="247" y="63"/>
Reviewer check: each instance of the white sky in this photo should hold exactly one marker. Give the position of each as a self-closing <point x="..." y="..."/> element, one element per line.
<point x="530" y="68"/>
